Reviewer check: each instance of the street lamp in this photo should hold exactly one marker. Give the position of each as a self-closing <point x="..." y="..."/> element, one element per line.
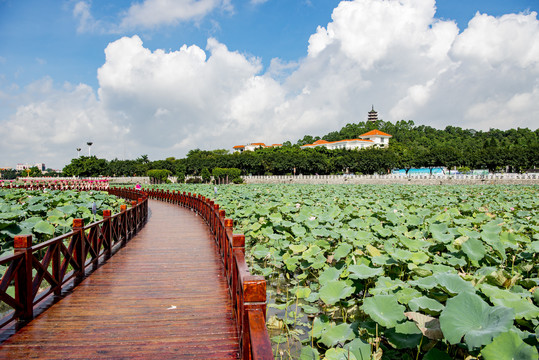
<point x="89" y="143"/>
<point x="78" y="152"/>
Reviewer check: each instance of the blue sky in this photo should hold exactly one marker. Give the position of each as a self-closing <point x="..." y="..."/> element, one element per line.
<point x="298" y="61"/>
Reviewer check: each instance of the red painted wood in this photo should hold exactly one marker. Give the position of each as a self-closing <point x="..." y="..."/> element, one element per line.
<point x="125" y="309"/>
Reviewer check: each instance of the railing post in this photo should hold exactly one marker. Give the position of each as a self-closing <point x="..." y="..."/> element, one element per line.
<point x="57" y="269"/>
<point x="221" y="232"/>
<point x="215" y="216"/>
<point x="107" y="233"/>
<point x="80" y="253"/>
<point x="254" y="307"/>
<point x="134" y="217"/>
<point x="123" y="220"/>
<point x="227" y="249"/>
<point x="23" y="277"/>
<point x="140" y="214"/>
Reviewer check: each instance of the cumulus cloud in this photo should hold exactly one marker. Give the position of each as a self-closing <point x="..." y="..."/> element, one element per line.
<point x="394" y="54"/>
<point x="55" y="123"/>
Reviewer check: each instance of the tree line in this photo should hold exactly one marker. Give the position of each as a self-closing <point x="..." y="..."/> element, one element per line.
<point x="514" y="150"/>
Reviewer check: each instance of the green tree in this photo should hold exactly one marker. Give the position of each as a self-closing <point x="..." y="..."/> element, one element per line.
<point x="206" y="176"/>
<point x="86" y="166"/>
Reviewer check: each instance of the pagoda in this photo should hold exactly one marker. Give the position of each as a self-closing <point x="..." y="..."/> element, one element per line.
<point x="373" y="115"/>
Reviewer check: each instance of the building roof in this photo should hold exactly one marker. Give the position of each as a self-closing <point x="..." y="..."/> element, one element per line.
<point x="258" y="144"/>
<point x="238" y="147"/>
<point x="375" y="133"/>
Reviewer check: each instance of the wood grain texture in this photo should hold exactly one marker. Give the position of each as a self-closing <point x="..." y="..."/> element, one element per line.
<point x="163" y="296"/>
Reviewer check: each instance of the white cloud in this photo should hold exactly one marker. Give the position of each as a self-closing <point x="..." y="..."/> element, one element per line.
<point x="57" y="121"/>
<point x="153" y="13"/>
<point x="148" y="14"/>
<point x="87" y="23"/>
<point x="392" y="53"/>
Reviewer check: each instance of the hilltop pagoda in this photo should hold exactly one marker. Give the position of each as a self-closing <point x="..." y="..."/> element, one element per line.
<point x="373" y="115"/>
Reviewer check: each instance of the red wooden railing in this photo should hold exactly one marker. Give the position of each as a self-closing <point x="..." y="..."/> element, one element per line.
<point x="248" y="292"/>
<point x="64" y="261"/>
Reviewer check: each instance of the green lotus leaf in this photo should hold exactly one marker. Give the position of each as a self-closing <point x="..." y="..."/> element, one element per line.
<point x="453" y="283"/>
<point x="523" y="308"/>
<point x="298" y="230"/>
<point x="68" y="209"/>
<point x="297" y="248"/>
<point x="291" y="262"/>
<point x="509" y="346"/>
<point x="37" y="208"/>
<point x="363" y="271"/>
<point x="44" y="227"/>
<point x="360" y="349"/>
<point x="424" y="303"/>
<point x="310" y="252"/>
<point x="383" y="260"/>
<point x="413" y="244"/>
<point x="385" y="285"/>
<point x="320" y="324"/>
<point x="337" y="334"/>
<point x="425" y="283"/>
<point x="467" y="315"/>
<point x="308" y="353"/>
<point x="260" y="251"/>
<point x="493" y="239"/>
<point x="474" y="249"/>
<point x="308" y="309"/>
<point x="339" y="354"/>
<point x="303" y="292"/>
<point x="334" y="291"/>
<point x="341" y="251"/>
<point x="419" y="257"/>
<point x="12" y="215"/>
<point x="405" y="295"/>
<point x="56" y="212"/>
<point x="331" y="273"/>
<point x="404" y="336"/>
<point x="384" y="309"/>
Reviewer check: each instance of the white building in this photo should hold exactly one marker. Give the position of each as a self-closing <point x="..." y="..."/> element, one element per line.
<point x="253" y="147"/>
<point x="40" y="166"/>
<point x="369" y="139"/>
<point x="379" y="138"/>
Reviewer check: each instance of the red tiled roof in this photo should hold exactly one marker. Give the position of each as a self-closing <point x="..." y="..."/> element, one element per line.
<point x="375" y="133"/>
<point x="238" y="146"/>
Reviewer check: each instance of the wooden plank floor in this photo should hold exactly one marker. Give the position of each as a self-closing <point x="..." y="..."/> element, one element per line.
<point x="161" y="297"/>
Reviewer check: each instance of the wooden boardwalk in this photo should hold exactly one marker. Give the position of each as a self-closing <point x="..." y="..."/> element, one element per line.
<point x="161" y="297"/>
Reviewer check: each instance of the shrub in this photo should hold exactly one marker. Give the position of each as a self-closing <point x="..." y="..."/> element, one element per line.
<point x="158" y="175"/>
<point x="181" y="178"/>
<point x="226" y="175"/>
<point x="206" y="176"/>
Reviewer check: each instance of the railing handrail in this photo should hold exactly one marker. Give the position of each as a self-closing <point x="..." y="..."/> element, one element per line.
<point x="248" y="292"/>
<point x="88" y="246"/>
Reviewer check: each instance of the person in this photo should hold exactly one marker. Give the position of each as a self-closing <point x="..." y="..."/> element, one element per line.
<point x="138" y="187"/>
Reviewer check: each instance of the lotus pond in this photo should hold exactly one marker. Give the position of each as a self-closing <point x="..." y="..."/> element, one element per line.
<point x="393" y="272"/>
<point x="49" y="213"/>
